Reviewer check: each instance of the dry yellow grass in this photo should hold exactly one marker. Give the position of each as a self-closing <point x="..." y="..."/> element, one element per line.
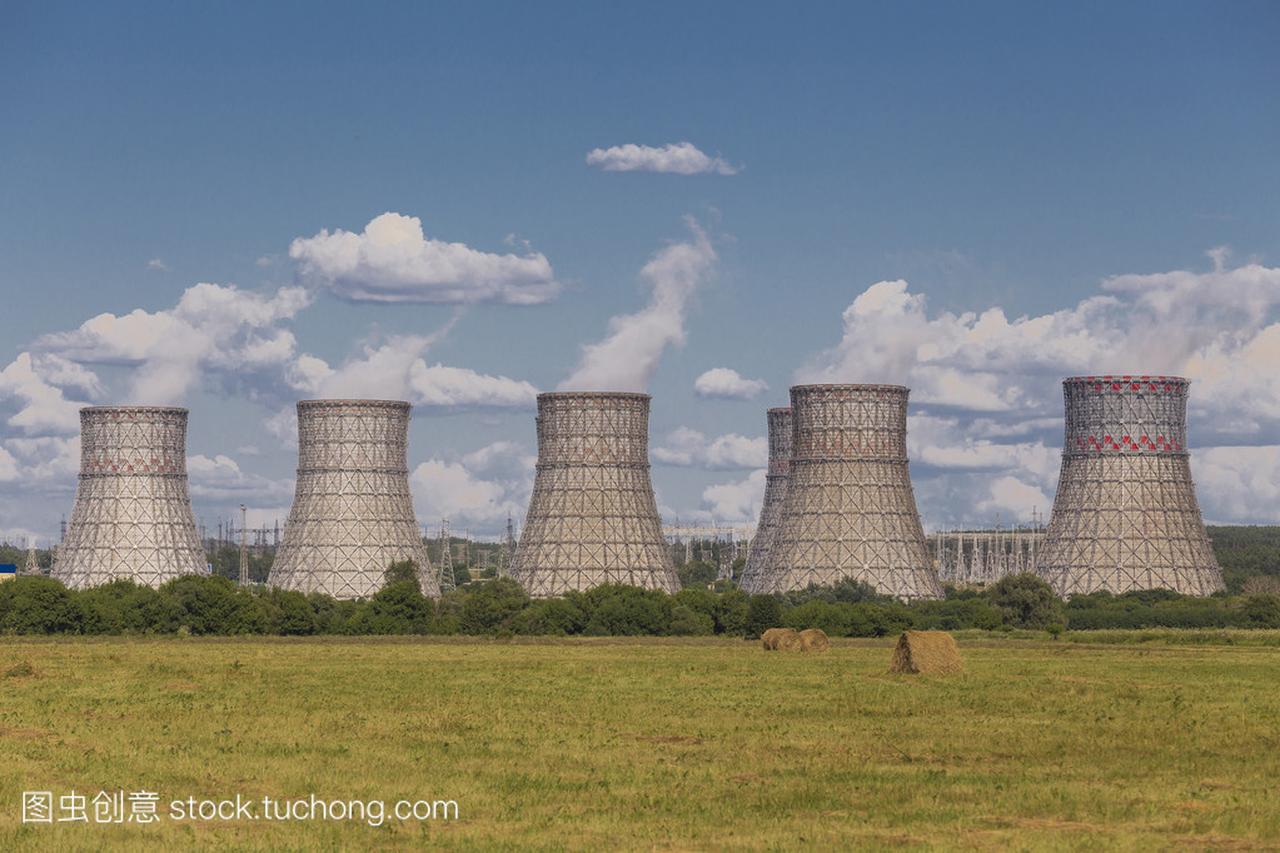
<point x="643" y="744"/>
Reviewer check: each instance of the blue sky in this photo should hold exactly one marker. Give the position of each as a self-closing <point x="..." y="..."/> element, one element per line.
<point x="989" y="155"/>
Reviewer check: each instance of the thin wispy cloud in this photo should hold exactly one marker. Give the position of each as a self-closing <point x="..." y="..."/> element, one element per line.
<point x="627" y="357"/>
<point x="677" y="158"/>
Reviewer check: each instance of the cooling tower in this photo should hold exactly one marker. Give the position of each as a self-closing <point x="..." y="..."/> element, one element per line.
<point x="592" y="518"/>
<point x="1125" y="516"/>
<point x="755" y="574"/>
<point x="352" y="515"/>
<point x="132" y="516"/>
<point x="850" y="511"/>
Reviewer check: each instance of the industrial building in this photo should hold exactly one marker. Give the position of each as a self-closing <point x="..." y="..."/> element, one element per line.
<point x="592" y="518"/>
<point x="850" y="511"/>
<point x="1125" y="515"/>
<point x="132" y="515"/>
<point x="756" y="575"/>
<point x="352" y="515"/>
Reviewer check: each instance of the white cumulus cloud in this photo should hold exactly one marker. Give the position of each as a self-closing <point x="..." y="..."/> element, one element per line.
<point x="687" y="447"/>
<point x="477" y="491"/>
<point x="1238" y="484"/>
<point x="735" y="502"/>
<point x="986" y="392"/>
<point x="393" y="260"/>
<point x="728" y="384"/>
<point x="219" y="478"/>
<point x="677" y="158"/>
<point x="213" y="328"/>
<point x="627" y="357"/>
<point x="397" y="370"/>
<point x="36" y="383"/>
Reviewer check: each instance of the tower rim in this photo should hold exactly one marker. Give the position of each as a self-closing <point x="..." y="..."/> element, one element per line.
<point x="851" y="386"/>
<point x="133" y="408"/>
<point x="1124" y="377"/>
<point x="327" y="402"/>
<point x="604" y="395"/>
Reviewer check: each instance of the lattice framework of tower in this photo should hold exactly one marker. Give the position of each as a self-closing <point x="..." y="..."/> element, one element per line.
<point x="592" y="517"/>
<point x="352" y="514"/>
<point x="986" y="556"/>
<point x="32" y="565"/>
<point x="759" y="558"/>
<point x="507" y="553"/>
<point x="850" y="511"/>
<point x="132" y="515"/>
<point x="1125" y="516"/>
<point x="445" y="577"/>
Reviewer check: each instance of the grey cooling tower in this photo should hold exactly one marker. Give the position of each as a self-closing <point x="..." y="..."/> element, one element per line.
<point x="592" y="518"/>
<point x="1125" y="515"/>
<point x="352" y="514"/>
<point x="757" y="574"/>
<point x="850" y="511"/>
<point x="132" y="515"/>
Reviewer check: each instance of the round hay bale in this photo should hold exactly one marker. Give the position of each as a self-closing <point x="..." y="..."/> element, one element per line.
<point x="814" y="640"/>
<point x="927" y="652"/>
<point x="789" y="642"/>
<point x="779" y="639"/>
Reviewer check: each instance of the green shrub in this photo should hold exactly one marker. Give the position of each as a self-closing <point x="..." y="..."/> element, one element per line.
<point x="397" y="608"/>
<point x="38" y="605"/>
<point x="763" y="612"/>
<point x="125" y="607"/>
<point x="687" y="622"/>
<point x="550" y="616"/>
<point x="490" y="605"/>
<point x="1261" y="611"/>
<point x="1026" y="601"/>
<point x="615" y="610"/>
<point x="209" y="604"/>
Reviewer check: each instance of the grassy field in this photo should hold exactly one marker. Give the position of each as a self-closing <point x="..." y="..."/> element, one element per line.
<point x="641" y="744"/>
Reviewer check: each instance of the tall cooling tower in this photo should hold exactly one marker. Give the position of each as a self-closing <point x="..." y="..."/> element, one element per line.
<point x="592" y="518"/>
<point x="1125" y="516"/>
<point x="755" y="574"/>
<point x="850" y="511"/>
<point x="352" y="515"/>
<point x="132" y="516"/>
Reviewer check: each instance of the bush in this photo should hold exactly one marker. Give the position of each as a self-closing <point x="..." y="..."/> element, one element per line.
<point x="697" y="573"/>
<point x="687" y="622"/>
<point x="331" y="615"/>
<point x="38" y="605"/>
<point x="287" y="613"/>
<point x="551" y="616"/>
<point x="397" y="608"/>
<point x="835" y="619"/>
<point x="401" y="571"/>
<point x="626" y="611"/>
<point x="1026" y="601"/>
<point x="125" y="607"/>
<point x="731" y="612"/>
<point x="491" y="605"/>
<point x="957" y="613"/>
<point x="208" y="604"/>
<point x="763" y="612"/>
<point x="1261" y="611"/>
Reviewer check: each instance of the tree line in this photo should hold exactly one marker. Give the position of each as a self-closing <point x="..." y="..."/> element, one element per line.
<point x="213" y="605"/>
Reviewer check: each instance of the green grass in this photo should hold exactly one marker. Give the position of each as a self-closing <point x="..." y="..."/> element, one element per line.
<point x="642" y="744"/>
